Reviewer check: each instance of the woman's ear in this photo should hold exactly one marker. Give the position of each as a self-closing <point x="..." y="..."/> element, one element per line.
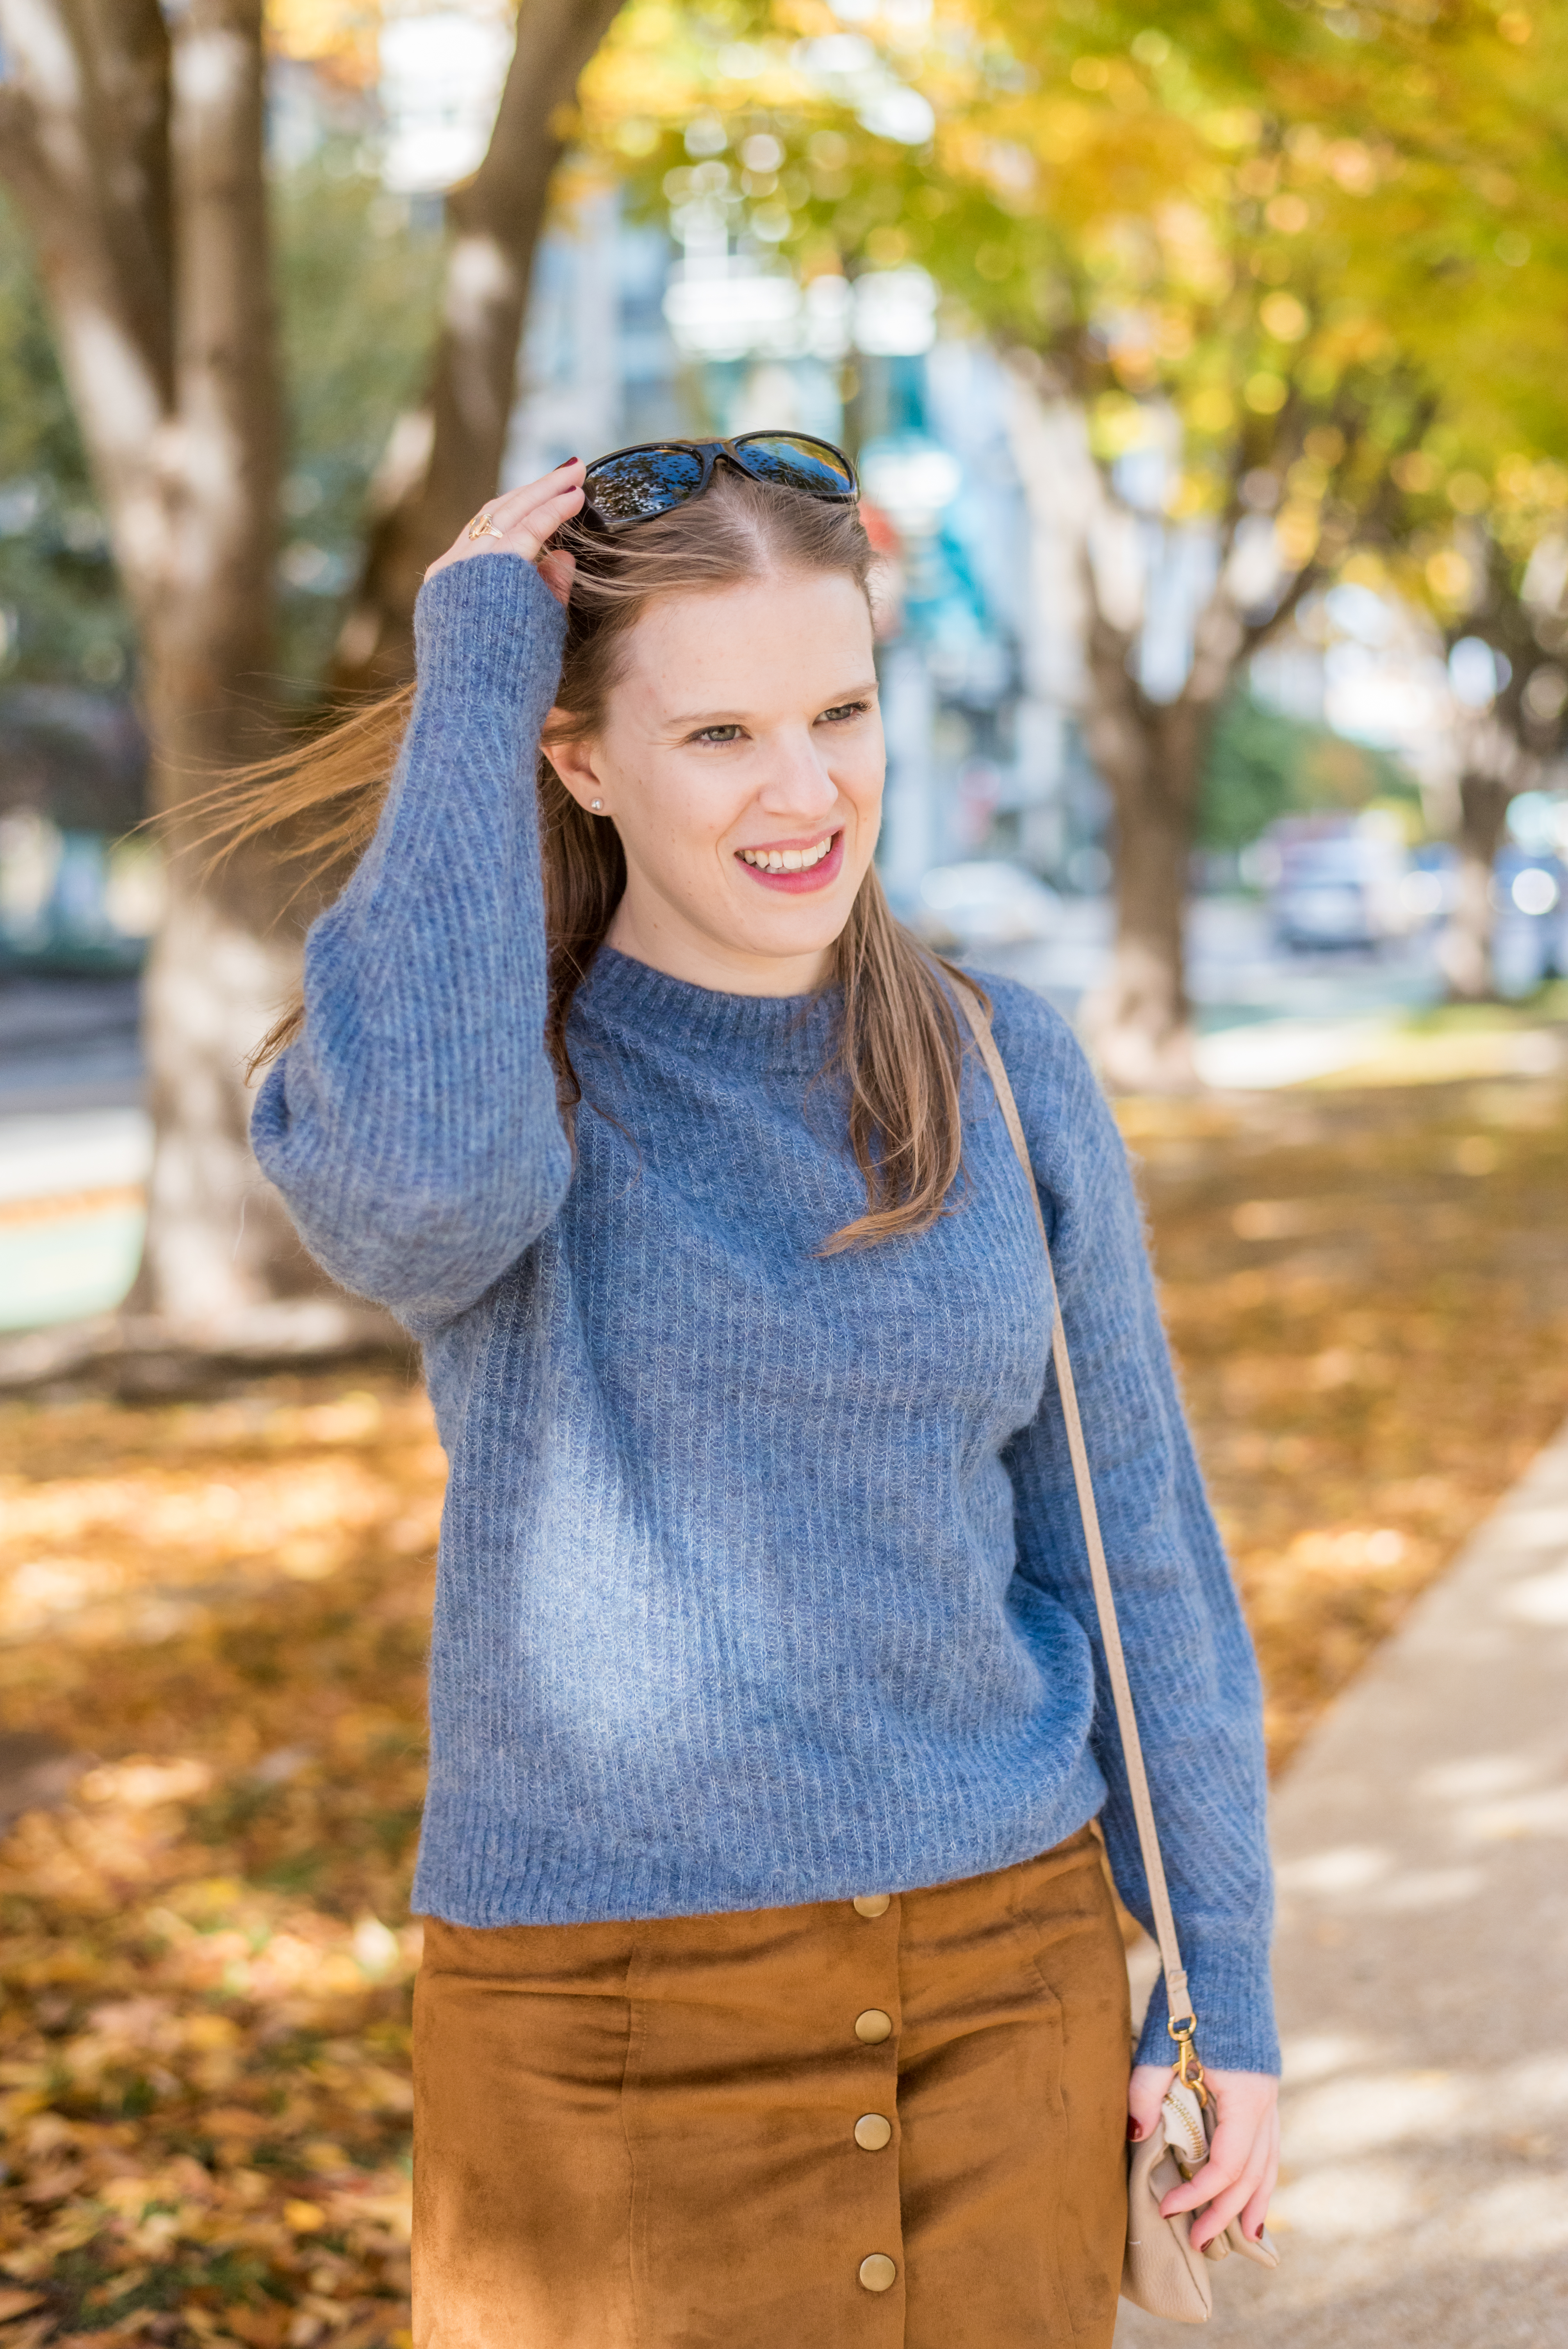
<point x="573" y="758"/>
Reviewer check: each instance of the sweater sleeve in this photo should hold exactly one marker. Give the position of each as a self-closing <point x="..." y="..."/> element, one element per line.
<point x="1190" y="1659"/>
<point x="412" y="1127"/>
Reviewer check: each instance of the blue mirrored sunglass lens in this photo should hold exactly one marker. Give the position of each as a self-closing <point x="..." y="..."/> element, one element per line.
<point x="798" y="464"/>
<point x="642" y="481"/>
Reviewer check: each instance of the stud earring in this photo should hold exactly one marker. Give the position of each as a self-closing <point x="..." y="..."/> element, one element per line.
<point x="597" y="805"/>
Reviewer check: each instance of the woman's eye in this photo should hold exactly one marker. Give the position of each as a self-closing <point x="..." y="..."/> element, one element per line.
<point x="717" y="734"/>
<point x="841" y="710"/>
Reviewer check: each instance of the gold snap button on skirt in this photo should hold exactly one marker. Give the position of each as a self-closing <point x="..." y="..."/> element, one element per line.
<point x="895" y="2123"/>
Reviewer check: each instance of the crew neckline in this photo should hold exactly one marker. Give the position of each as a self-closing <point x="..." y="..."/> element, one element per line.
<point x="783" y="1032"/>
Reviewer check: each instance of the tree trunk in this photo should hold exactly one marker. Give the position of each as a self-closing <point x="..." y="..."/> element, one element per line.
<point x="84" y="118"/>
<point x="136" y="151"/>
<point x="135" y="147"/>
<point x="133" y="138"/>
<point x="1502" y="751"/>
<point x="442" y="462"/>
<point x="217" y="1238"/>
<point x="1150" y="755"/>
<point x="1138" y="1022"/>
<point x="1465" y="951"/>
<point x="224" y="1270"/>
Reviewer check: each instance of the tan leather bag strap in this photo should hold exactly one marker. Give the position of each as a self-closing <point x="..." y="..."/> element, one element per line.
<point x="1181" y="2009"/>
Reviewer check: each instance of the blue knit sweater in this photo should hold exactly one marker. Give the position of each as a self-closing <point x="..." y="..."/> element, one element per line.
<point x="761" y="1577"/>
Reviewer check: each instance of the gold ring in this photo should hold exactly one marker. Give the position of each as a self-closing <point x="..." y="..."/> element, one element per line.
<point x="481" y="526"/>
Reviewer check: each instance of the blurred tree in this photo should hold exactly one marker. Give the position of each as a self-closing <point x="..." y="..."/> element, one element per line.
<point x="1243" y="260"/>
<point x="131" y="139"/>
<point x="1262" y="764"/>
<point x="1497" y="581"/>
<point x="359" y="275"/>
<point x="1232" y="258"/>
<point x="443" y="457"/>
<point x="133" y="145"/>
<point x="1323" y="245"/>
<point x="62" y="616"/>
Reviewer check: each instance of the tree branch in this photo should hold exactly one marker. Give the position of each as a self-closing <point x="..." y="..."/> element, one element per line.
<point x="24" y="167"/>
<point x="449" y="461"/>
<point x="220" y="467"/>
<point x="88" y="93"/>
<point x="85" y="147"/>
<point x="1255" y="634"/>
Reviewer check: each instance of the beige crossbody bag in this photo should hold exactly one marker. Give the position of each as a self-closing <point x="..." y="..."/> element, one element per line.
<point x="1161" y="2270"/>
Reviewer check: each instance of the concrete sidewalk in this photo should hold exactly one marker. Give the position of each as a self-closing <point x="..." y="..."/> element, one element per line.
<point x="1422" y="1963"/>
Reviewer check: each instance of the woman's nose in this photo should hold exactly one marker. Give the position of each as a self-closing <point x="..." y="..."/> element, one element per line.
<point x="798" y="784"/>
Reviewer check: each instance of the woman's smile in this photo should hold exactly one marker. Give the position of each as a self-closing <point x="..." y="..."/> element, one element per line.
<point x="795" y="865"/>
<point x="742" y="737"/>
<point x="632" y="1282"/>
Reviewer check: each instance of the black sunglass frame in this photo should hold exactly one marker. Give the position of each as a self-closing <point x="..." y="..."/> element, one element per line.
<point x="710" y="452"/>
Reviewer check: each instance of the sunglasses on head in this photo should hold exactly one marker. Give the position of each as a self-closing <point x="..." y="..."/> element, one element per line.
<point x="632" y="485"/>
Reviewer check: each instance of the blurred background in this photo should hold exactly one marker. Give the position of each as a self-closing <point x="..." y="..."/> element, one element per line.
<point x="1205" y="391"/>
<point x="1205" y="376"/>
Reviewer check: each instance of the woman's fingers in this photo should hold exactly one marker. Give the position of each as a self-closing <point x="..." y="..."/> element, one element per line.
<point x="1255" y="2211"/>
<point x="522" y="521"/>
<point x="1145" y="2094"/>
<point x="1243" y="2159"/>
<point x="1230" y="2156"/>
<point x="537" y="511"/>
<point x="537" y="527"/>
<point x="1229" y="2200"/>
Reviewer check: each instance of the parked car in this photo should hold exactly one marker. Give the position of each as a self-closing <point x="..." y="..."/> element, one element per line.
<point x="984" y="904"/>
<point x="1427" y="891"/>
<point x="1338" y="881"/>
<point x="1529" y="936"/>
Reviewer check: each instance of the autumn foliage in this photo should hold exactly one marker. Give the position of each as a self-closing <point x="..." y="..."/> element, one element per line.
<point x="214" y="1621"/>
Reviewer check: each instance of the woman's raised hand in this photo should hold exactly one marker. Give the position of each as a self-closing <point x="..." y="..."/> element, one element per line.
<point x="522" y="523"/>
<point x="1238" y="2178"/>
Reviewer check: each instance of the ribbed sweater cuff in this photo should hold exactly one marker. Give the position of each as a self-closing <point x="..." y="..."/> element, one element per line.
<point x="1233" y="1998"/>
<point x="491" y="629"/>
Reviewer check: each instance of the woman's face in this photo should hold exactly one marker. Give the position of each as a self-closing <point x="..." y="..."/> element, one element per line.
<point x="741" y="761"/>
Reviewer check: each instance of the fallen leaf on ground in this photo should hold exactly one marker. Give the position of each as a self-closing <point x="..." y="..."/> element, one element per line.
<point x="220" y="1608"/>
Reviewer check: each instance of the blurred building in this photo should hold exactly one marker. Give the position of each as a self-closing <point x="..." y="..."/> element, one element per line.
<point x="981" y="507"/>
<point x="598" y="367"/>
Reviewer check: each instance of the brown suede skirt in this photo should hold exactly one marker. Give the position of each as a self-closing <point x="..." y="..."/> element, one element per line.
<point x="886" y="2122"/>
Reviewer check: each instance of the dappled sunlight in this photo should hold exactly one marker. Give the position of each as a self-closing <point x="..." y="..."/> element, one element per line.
<point x="1367" y="2156"/>
<point x="88" y="1555"/>
<point x="1316" y="2055"/>
<point x="1372" y="1343"/>
<point x="205" y="2072"/>
<point x="226" y="2131"/>
<point x="1345" y="2203"/>
<point x="214" y="1619"/>
<point x="1368" y="2111"/>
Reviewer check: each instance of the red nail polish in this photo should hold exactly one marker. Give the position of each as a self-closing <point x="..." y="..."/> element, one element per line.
<point x="1134" y="2130"/>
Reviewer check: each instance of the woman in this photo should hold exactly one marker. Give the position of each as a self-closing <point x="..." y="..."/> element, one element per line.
<point x="773" y="1990"/>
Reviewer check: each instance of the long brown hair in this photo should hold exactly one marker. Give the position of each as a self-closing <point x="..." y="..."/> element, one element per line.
<point x="899" y="1056"/>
